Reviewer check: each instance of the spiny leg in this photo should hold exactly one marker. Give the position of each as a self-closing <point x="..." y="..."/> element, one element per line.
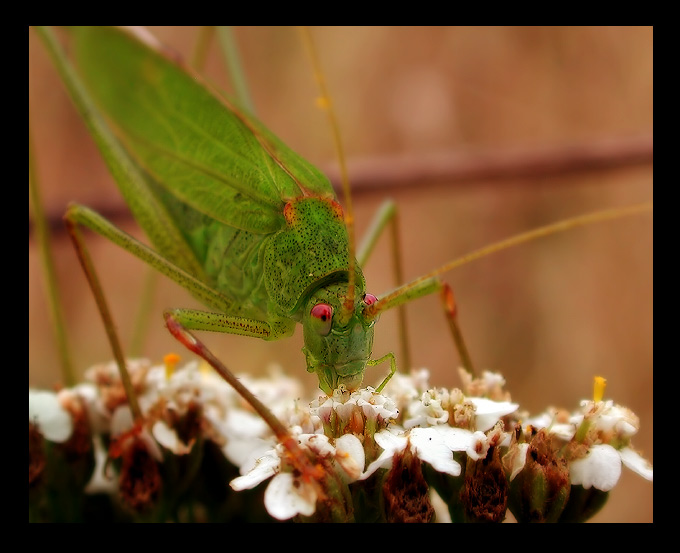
<point x="220" y="321"/>
<point x="102" y="305"/>
<point x="393" y="368"/>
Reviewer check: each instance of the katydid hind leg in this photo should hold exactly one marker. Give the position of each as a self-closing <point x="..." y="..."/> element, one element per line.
<point x="104" y="311"/>
<point x="451" y="311"/>
<point x="219" y="321"/>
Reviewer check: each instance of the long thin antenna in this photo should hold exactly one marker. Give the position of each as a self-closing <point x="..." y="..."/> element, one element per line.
<point x="326" y="104"/>
<point x="540" y="232"/>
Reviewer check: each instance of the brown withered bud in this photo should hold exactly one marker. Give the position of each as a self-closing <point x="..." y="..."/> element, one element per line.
<point x="405" y="491"/>
<point x="540" y="490"/>
<point x="485" y="493"/>
<point x="79" y="444"/>
<point x="36" y="457"/>
<point x="140" y="479"/>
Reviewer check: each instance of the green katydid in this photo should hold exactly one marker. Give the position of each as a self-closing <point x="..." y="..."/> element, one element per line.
<point x="257" y="234"/>
<point x="272" y="314"/>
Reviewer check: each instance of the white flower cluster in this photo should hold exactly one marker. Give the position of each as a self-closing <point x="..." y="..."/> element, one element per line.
<point x="605" y="430"/>
<point x="418" y="420"/>
<point x="352" y="435"/>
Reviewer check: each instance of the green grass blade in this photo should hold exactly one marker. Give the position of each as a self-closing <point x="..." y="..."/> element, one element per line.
<point x="52" y="289"/>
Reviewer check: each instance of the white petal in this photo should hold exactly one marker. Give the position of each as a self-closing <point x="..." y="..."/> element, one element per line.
<point x="240" y="423"/>
<point x="100" y="482"/>
<point x="519" y="459"/>
<point x="151" y="445"/>
<point x="601" y="468"/>
<point x="441" y="509"/>
<point x="45" y="411"/>
<point x="635" y="462"/>
<point x="350" y="453"/>
<point x="456" y="439"/>
<point x="245" y="453"/>
<point x="318" y="443"/>
<point x="121" y="420"/>
<point x="391" y="444"/>
<point x="563" y="431"/>
<point x="169" y="439"/>
<point x="429" y="446"/>
<point x="390" y="440"/>
<point x="266" y="466"/>
<point x="284" y="499"/>
<point x="489" y="412"/>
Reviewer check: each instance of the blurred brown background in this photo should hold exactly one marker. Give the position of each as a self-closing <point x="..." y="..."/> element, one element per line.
<point x="549" y="315"/>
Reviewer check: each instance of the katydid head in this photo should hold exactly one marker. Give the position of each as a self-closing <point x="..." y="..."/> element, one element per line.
<point x="337" y="346"/>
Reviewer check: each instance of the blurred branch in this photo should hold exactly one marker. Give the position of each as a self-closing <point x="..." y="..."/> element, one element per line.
<point x="463" y="168"/>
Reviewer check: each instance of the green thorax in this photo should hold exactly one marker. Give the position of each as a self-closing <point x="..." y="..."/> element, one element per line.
<point x="271" y="274"/>
<point x="311" y="251"/>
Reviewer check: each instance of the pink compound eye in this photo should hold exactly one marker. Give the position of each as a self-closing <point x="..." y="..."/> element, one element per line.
<point x="323" y="314"/>
<point x="370" y="299"/>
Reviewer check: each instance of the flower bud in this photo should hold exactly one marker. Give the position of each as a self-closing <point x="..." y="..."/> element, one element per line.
<point x="540" y="490"/>
<point x="405" y="491"/>
<point x="485" y="494"/>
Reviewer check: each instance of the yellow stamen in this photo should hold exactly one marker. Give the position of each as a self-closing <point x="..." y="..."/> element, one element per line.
<point x="170" y="360"/>
<point x="598" y="388"/>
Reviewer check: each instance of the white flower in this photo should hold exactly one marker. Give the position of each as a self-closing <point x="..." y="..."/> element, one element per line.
<point x="405" y="388"/>
<point x="247" y="437"/>
<point x="608" y="418"/>
<point x="600" y="468"/>
<point x="264" y="467"/>
<point x="430" y="410"/>
<point x="372" y="405"/>
<point x="550" y="420"/>
<point x="489" y="385"/>
<point x="350" y="454"/>
<point x="122" y="424"/>
<point x="168" y="438"/>
<point x="288" y="495"/>
<point x="635" y="462"/>
<point x="100" y="482"/>
<point x="433" y="445"/>
<point x="46" y="412"/>
<point x="489" y="412"/>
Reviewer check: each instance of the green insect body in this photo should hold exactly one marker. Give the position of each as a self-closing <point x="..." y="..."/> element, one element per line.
<point x="258" y="227"/>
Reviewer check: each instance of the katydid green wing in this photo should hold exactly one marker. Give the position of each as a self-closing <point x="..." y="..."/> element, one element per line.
<point x="205" y="152"/>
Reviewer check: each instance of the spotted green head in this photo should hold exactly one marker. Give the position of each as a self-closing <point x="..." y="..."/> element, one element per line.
<point x="338" y="342"/>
